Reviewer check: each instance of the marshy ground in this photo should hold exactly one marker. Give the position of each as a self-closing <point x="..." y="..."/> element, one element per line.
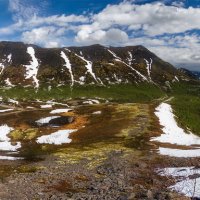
<point x="110" y="155"/>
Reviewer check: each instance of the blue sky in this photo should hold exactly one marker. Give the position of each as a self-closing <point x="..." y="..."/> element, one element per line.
<point x="169" y="28"/>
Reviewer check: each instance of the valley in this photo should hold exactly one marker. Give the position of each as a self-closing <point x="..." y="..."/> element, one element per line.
<point x="96" y="122"/>
<point x="93" y="144"/>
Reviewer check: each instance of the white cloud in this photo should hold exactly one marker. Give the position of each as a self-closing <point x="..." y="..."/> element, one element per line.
<point x="36" y="22"/>
<point x="161" y="28"/>
<point x="179" y="50"/>
<point x="153" y="19"/>
<point x="22" y="9"/>
<point x="109" y="37"/>
<point x="178" y="3"/>
<point x="58" y="20"/>
<point x="48" y="36"/>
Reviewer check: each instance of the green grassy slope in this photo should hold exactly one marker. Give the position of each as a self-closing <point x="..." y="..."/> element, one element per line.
<point x="186" y="101"/>
<point x="117" y="93"/>
<point x="186" y="105"/>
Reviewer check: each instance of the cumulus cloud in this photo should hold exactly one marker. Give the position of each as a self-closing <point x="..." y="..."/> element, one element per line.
<point x="46" y="36"/>
<point x="152" y="19"/>
<point x="109" y="37"/>
<point x="180" y="50"/>
<point x="178" y="3"/>
<point x="166" y="27"/>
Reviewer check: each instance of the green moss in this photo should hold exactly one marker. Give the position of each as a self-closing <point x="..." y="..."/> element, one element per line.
<point x="95" y="154"/>
<point x="118" y="93"/>
<point x="28" y="134"/>
<point x="28" y="168"/>
<point x="186" y="105"/>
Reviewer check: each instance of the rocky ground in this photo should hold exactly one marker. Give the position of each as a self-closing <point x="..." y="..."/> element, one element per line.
<point x="121" y="176"/>
<point x="120" y="165"/>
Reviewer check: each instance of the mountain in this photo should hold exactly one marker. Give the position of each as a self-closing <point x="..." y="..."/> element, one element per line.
<point x="197" y="74"/>
<point x="191" y="74"/>
<point x="24" y="64"/>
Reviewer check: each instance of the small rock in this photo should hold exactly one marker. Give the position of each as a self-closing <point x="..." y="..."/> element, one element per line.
<point x="149" y="194"/>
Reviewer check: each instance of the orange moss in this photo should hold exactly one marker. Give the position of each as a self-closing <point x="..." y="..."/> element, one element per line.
<point x="79" y="122"/>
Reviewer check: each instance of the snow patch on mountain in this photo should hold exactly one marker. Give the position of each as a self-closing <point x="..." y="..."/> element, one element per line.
<point x="8" y="83"/>
<point x="149" y="66"/>
<point x="120" y="60"/>
<point x="117" y="79"/>
<point x="9" y="57"/>
<point x="68" y="65"/>
<point x="2" y="67"/>
<point x="88" y="67"/>
<point x="32" y="69"/>
<point x="176" y="78"/>
<point x="114" y="54"/>
<point x="130" y="58"/>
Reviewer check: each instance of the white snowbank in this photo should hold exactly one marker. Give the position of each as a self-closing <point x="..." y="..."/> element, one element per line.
<point x="189" y="153"/>
<point x="56" y="111"/>
<point x="32" y="69"/>
<point x="10" y="158"/>
<point x="30" y="107"/>
<point x="51" y="102"/>
<point x="13" y="101"/>
<point x="91" y="101"/>
<point x="6" y="110"/>
<point x="188" y="180"/>
<point x="5" y="144"/>
<point x="57" y="138"/>
<point x="46" y="120"/>
<point x="96" y="113"/>
<point x="172" y="133"/>
<point x="46" y="106"/>
<point x="68" y="65"/>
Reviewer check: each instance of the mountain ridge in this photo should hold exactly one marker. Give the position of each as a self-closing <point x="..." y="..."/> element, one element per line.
<point x="31" y="65"/>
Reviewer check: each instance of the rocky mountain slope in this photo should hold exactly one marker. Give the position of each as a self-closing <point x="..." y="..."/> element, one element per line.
<point x="23" y="64"/>
<point x="192" y="74"/>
